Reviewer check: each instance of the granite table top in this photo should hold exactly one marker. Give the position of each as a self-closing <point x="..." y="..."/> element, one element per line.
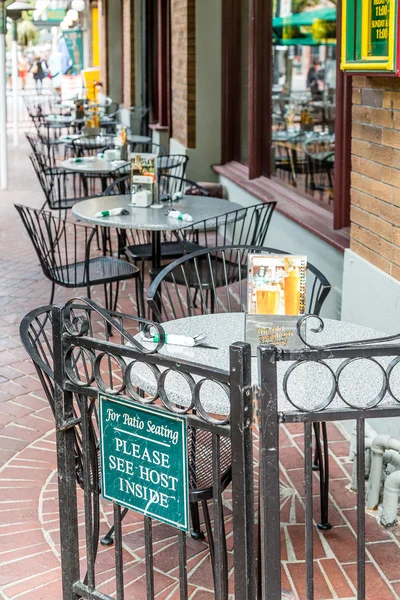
<point x="93" y="164"/>
<point x="150" y="219"/>
<point x="308" y="385"/>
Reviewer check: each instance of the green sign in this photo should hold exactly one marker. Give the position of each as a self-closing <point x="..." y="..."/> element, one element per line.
<point x="73" y="40"/>
<point x="379" y="24"/>
<point x="144" y="463"/>
<point x="369" y="36"/>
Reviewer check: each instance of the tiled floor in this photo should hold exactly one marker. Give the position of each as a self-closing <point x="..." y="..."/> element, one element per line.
<point x="29" y="541"/>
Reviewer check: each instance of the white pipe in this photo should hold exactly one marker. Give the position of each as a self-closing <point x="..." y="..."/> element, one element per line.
<point x="391" y="500"/>
<point x="14" y="55"/>
<point x="3" y="112"/>
<point x="370" y="435"/>
<point x="392" y="457"/>
<point x="368" y="444"/>
<point x="379" y="445"/>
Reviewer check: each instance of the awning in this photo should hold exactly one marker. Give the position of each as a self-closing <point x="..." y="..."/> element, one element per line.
<point x="309" y="28"/>
<point x="305" y="18"/>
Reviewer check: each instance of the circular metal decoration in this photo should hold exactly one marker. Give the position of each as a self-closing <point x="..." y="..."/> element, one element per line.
<point x="201" y="409"/>
<point x="77" y="365"/>
<point x="390" y="373"/>
<point x="307" y="382"/>
<point x="99" y="376"/>
<point x="176" y="406"/>
<point x="76" y="325"/>
<point x="131" y="387"/>
<point x="357" y="382"/>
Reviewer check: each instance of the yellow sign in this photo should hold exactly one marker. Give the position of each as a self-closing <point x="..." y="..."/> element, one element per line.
<point x="369" y="33"/>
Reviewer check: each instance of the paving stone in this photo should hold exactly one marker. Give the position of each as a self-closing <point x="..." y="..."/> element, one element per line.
<point x="27" y="430"/>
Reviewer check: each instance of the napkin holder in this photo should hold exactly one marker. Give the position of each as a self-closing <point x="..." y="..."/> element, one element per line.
<point x="142" y="191"/>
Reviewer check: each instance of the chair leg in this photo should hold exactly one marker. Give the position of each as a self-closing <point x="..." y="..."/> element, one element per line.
<point x="210" y="538"/>
<point x="317" y="457"/>
<point x="53" y="289"/>
<point x="116" y="296"/>
<point x="107" y="540"/>
<point x="196" y="533"/>
<point x="140" y="297"/>
<point x="324" y="525"/>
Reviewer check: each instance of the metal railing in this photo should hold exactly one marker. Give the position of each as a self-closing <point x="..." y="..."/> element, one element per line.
<point x="349" y="367"/>
<point x="83" y="351"/>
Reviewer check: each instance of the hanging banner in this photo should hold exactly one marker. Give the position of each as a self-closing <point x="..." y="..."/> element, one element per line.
<point x="74" y="42"/>
<point x="144" y="460"/>
<point x="369" y="37"/>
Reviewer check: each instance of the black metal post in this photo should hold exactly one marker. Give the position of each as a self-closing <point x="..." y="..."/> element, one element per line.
<point x="269" y="475"/>
<point x="65" y="467"/>
<point x="242" y="471"/>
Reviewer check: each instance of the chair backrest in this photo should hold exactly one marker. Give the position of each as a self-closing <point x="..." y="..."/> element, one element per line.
<point x="215" y="280"/>
<point x="90" y="145"/>
<point x="243" y="226"/>
<point x="118" y="186"/>
<point x="170" y="184"/>
<point x="63" y="188"/>
<point x="148" y="148"/>
<point x="61" y="246"/>
<point x="172" y="164"/>
<point x="138" y="116"/>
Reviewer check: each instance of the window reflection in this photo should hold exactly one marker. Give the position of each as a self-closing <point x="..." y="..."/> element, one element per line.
<point x="303" y="97"/>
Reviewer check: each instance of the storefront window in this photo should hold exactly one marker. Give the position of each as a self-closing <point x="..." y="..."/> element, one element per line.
<point x="304" y="97"/>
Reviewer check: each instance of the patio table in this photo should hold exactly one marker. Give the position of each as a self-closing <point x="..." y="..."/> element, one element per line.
<point x="308" y="386"/>
<point x="150" y="219"/>
<point x="107" y="138"/>
<point x="65" y="120"/>
<point x="93" y="165"/>
<point x="224" y="329"/>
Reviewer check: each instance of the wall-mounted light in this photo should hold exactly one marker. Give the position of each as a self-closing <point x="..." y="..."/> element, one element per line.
<point x="72" y="14"/>
<point x="78" y="5"/>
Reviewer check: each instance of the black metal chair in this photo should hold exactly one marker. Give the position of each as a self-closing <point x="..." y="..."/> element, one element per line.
<point x="64" y="252"/>
<point x="37" y="338"/>
<point x="62" y="189"/>
<point x="320" y="153"/>
<point x="245" y="226"/>
<point x="89" y="145"/>
<point x="172" y="164"/>
<point x="214" y="280"/>
<point x="147" y="148"/>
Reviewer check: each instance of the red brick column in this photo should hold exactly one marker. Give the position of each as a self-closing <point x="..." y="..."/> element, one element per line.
<point x="375" y="182"/>
<point x="183" y="78"/>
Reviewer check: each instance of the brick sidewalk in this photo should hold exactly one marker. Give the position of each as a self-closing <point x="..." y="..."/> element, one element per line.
<point x="29" y="543"/>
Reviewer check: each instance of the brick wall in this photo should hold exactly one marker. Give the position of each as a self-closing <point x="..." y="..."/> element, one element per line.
<point x="375" y="182"/>
<point x="128" y="45"/>
<point x="183" y="67"/>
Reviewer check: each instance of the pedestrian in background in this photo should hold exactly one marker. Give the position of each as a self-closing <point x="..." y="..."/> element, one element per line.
<point x="39" y="73"/>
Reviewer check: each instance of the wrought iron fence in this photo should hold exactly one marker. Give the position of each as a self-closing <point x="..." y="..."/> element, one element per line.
<point x="81" y="351"/>
<point x="355" y="381"/>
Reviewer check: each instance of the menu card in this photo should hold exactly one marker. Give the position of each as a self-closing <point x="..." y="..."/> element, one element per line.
<point x="276" y="284"/>
<point x="276" y="299"/>
<point x="280" y="331"/>
<point x="144" y="175"/>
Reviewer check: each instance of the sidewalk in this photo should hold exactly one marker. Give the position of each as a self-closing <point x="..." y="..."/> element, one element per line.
<point x="29" y="543"/>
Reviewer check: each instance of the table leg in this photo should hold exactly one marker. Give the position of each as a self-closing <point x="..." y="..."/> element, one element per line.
<point x="155" y="259"/>
<point x="155" y="249"/>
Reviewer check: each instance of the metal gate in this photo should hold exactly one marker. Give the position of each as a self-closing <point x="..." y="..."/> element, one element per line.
<point x="349" y="367"/>
<point x="94" y="353"/>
